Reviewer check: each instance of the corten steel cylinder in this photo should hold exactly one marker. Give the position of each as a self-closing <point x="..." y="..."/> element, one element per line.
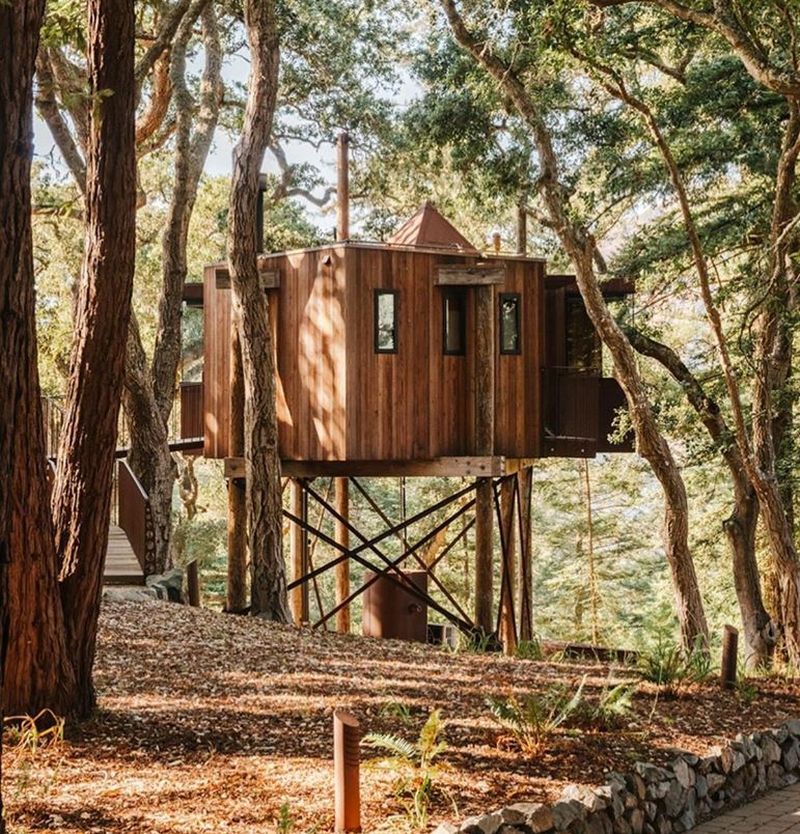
<point x="730" y="648"/>
<point x="392" y="612"/>
<point x="346" y="740"/>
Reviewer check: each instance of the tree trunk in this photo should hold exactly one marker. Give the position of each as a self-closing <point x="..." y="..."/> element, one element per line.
<point x="36" y="670"/>
<point x="150" y="392"/>
<point x="740" y="527"/>
<point x="580" y="247"/>
<point x="251" y="308"/>
<point x="82" y="493"/>
<point x="149" y="457"/>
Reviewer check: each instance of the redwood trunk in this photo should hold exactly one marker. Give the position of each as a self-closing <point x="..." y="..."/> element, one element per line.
<point x="251" y="307"/>
<point x="37" y="673"/>
<point x="86" y="454"/>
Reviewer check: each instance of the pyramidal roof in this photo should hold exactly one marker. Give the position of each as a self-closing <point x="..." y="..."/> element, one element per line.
<point x="426" y="227"/>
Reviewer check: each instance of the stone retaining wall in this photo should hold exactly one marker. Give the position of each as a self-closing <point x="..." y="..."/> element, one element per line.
<point x="656" y="800"/>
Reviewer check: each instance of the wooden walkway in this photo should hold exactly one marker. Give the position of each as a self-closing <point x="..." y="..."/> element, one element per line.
<point x="776" y="813"/>
<point x="122" y="566"/>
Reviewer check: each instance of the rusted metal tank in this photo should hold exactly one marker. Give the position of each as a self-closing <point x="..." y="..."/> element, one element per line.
<point x="394" y="613"/>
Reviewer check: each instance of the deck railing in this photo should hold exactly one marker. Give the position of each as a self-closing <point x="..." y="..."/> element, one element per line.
<point x="134" y="516"/>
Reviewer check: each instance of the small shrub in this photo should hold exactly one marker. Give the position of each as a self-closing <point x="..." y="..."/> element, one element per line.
<point x="396" y="709"/>
<point x="530" y="649"/>
<point x="532" y="718"/>
<point x="417" y="762"/>
<point x="668" y="666"/>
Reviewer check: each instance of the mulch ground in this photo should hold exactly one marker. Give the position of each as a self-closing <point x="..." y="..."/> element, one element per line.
<point x="209" y="722"/>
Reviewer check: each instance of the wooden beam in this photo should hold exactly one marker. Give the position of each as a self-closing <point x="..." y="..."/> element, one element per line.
<point x="298" y="548"/>
<point x="484" y="445"/>
<point x="343" y="187"/>
<point x="467" y="467"/>
<point x="269" y="279"/>
<point x="522" y="227"/>
<point x="342" y="535"/>
<point x="447" y="275"/>
<point x="236" y="596"/>
<point x="508" y="635"/>
<point x="525" y="598"/>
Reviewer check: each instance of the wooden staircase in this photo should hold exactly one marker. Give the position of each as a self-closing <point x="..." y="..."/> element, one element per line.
<point x="122" y="567"/>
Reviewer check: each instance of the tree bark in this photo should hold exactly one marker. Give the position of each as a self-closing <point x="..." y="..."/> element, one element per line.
<point x="150" y="391"/>
<point x="580" y="247"/>
<point x="740" y="526"/>
<point x="251" y="308"/>
<point x="82" y="492"/>
<point x="342" y="570"/>
<point x="36" y="670"/>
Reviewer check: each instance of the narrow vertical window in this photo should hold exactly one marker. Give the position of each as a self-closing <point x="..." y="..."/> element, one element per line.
<point x="385" y="321"/>
<point x="510" y="341"/>
<point x="455" y="322"/>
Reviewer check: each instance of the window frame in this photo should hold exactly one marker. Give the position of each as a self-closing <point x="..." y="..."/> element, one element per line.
<point x="459" y="293"/>
<point x="376" y="295"/>
<point x="517" y="297"/>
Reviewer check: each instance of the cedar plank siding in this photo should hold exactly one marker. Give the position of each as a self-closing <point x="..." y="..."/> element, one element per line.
<point x="340" y="400"/>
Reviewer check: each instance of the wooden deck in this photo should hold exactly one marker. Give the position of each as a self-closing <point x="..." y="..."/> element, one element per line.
<point x="122" y="566"/>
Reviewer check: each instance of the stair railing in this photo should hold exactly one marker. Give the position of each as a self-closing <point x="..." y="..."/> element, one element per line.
<point x="135" y="517"/>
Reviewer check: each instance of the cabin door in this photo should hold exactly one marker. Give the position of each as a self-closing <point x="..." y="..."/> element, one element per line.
<point x="453" y="351"/>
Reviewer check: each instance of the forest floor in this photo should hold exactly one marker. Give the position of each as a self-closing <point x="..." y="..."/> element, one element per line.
<point x="208" y="722"/>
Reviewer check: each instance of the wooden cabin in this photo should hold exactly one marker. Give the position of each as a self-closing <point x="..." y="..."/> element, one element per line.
<point x="418" y="356"/>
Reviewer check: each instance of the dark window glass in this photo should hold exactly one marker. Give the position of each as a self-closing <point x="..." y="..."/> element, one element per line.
<point x="385" y="321"/>
<point x="455" y="322"/>
<point x="584" y="351"/>
<point x="510" y="341"/>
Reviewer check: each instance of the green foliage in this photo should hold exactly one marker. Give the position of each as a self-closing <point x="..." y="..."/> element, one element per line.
<point x="611" y="708"/>
<point x="532" y="718"/>
<point x="668" y="666"/>
<point x="529" y="649"/>
<point x="284" y="824"/>
<point x="417" y="762"/>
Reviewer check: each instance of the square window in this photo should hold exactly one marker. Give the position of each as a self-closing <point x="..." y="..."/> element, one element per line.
<point x="454" y="311"/>
<point x="510" y="341"/>
<point x="385" y="321"/>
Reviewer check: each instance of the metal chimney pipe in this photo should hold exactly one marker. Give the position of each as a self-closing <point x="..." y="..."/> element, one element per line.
<point x="346" y="753"/>
<point x="343" y="187"/>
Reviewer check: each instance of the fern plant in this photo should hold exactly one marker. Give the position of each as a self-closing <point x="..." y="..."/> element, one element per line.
<point x="417" y="761"/>
<point x="611" y="708"/>
<point x="532" y="718"/>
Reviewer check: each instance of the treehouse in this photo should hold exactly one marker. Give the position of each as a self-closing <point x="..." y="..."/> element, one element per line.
<point x="418" y="356"/>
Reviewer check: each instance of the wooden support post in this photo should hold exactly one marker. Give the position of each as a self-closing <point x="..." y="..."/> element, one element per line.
<point x="730" y="649"/>
<point x="525" y="596"/>
<point x="484" y="445"/>
<point x="236" y="601"/>
<point x="193" y="583"/>
<point x="343" y="187"/>
<point x="342" y="535"/>
<point x="298" y="545"/>
<point x="522" y="227"/>
<point x="346" y="740"/>
<point x="508" y="635"/>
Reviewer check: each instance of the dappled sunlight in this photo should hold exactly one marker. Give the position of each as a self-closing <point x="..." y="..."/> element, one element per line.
<point x="211" y="723"/>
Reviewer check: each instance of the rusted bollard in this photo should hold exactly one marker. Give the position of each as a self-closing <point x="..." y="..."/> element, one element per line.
<point x="730" y="647"/>
<point x="193" y="583"/>
<point x="346" y="739"/>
